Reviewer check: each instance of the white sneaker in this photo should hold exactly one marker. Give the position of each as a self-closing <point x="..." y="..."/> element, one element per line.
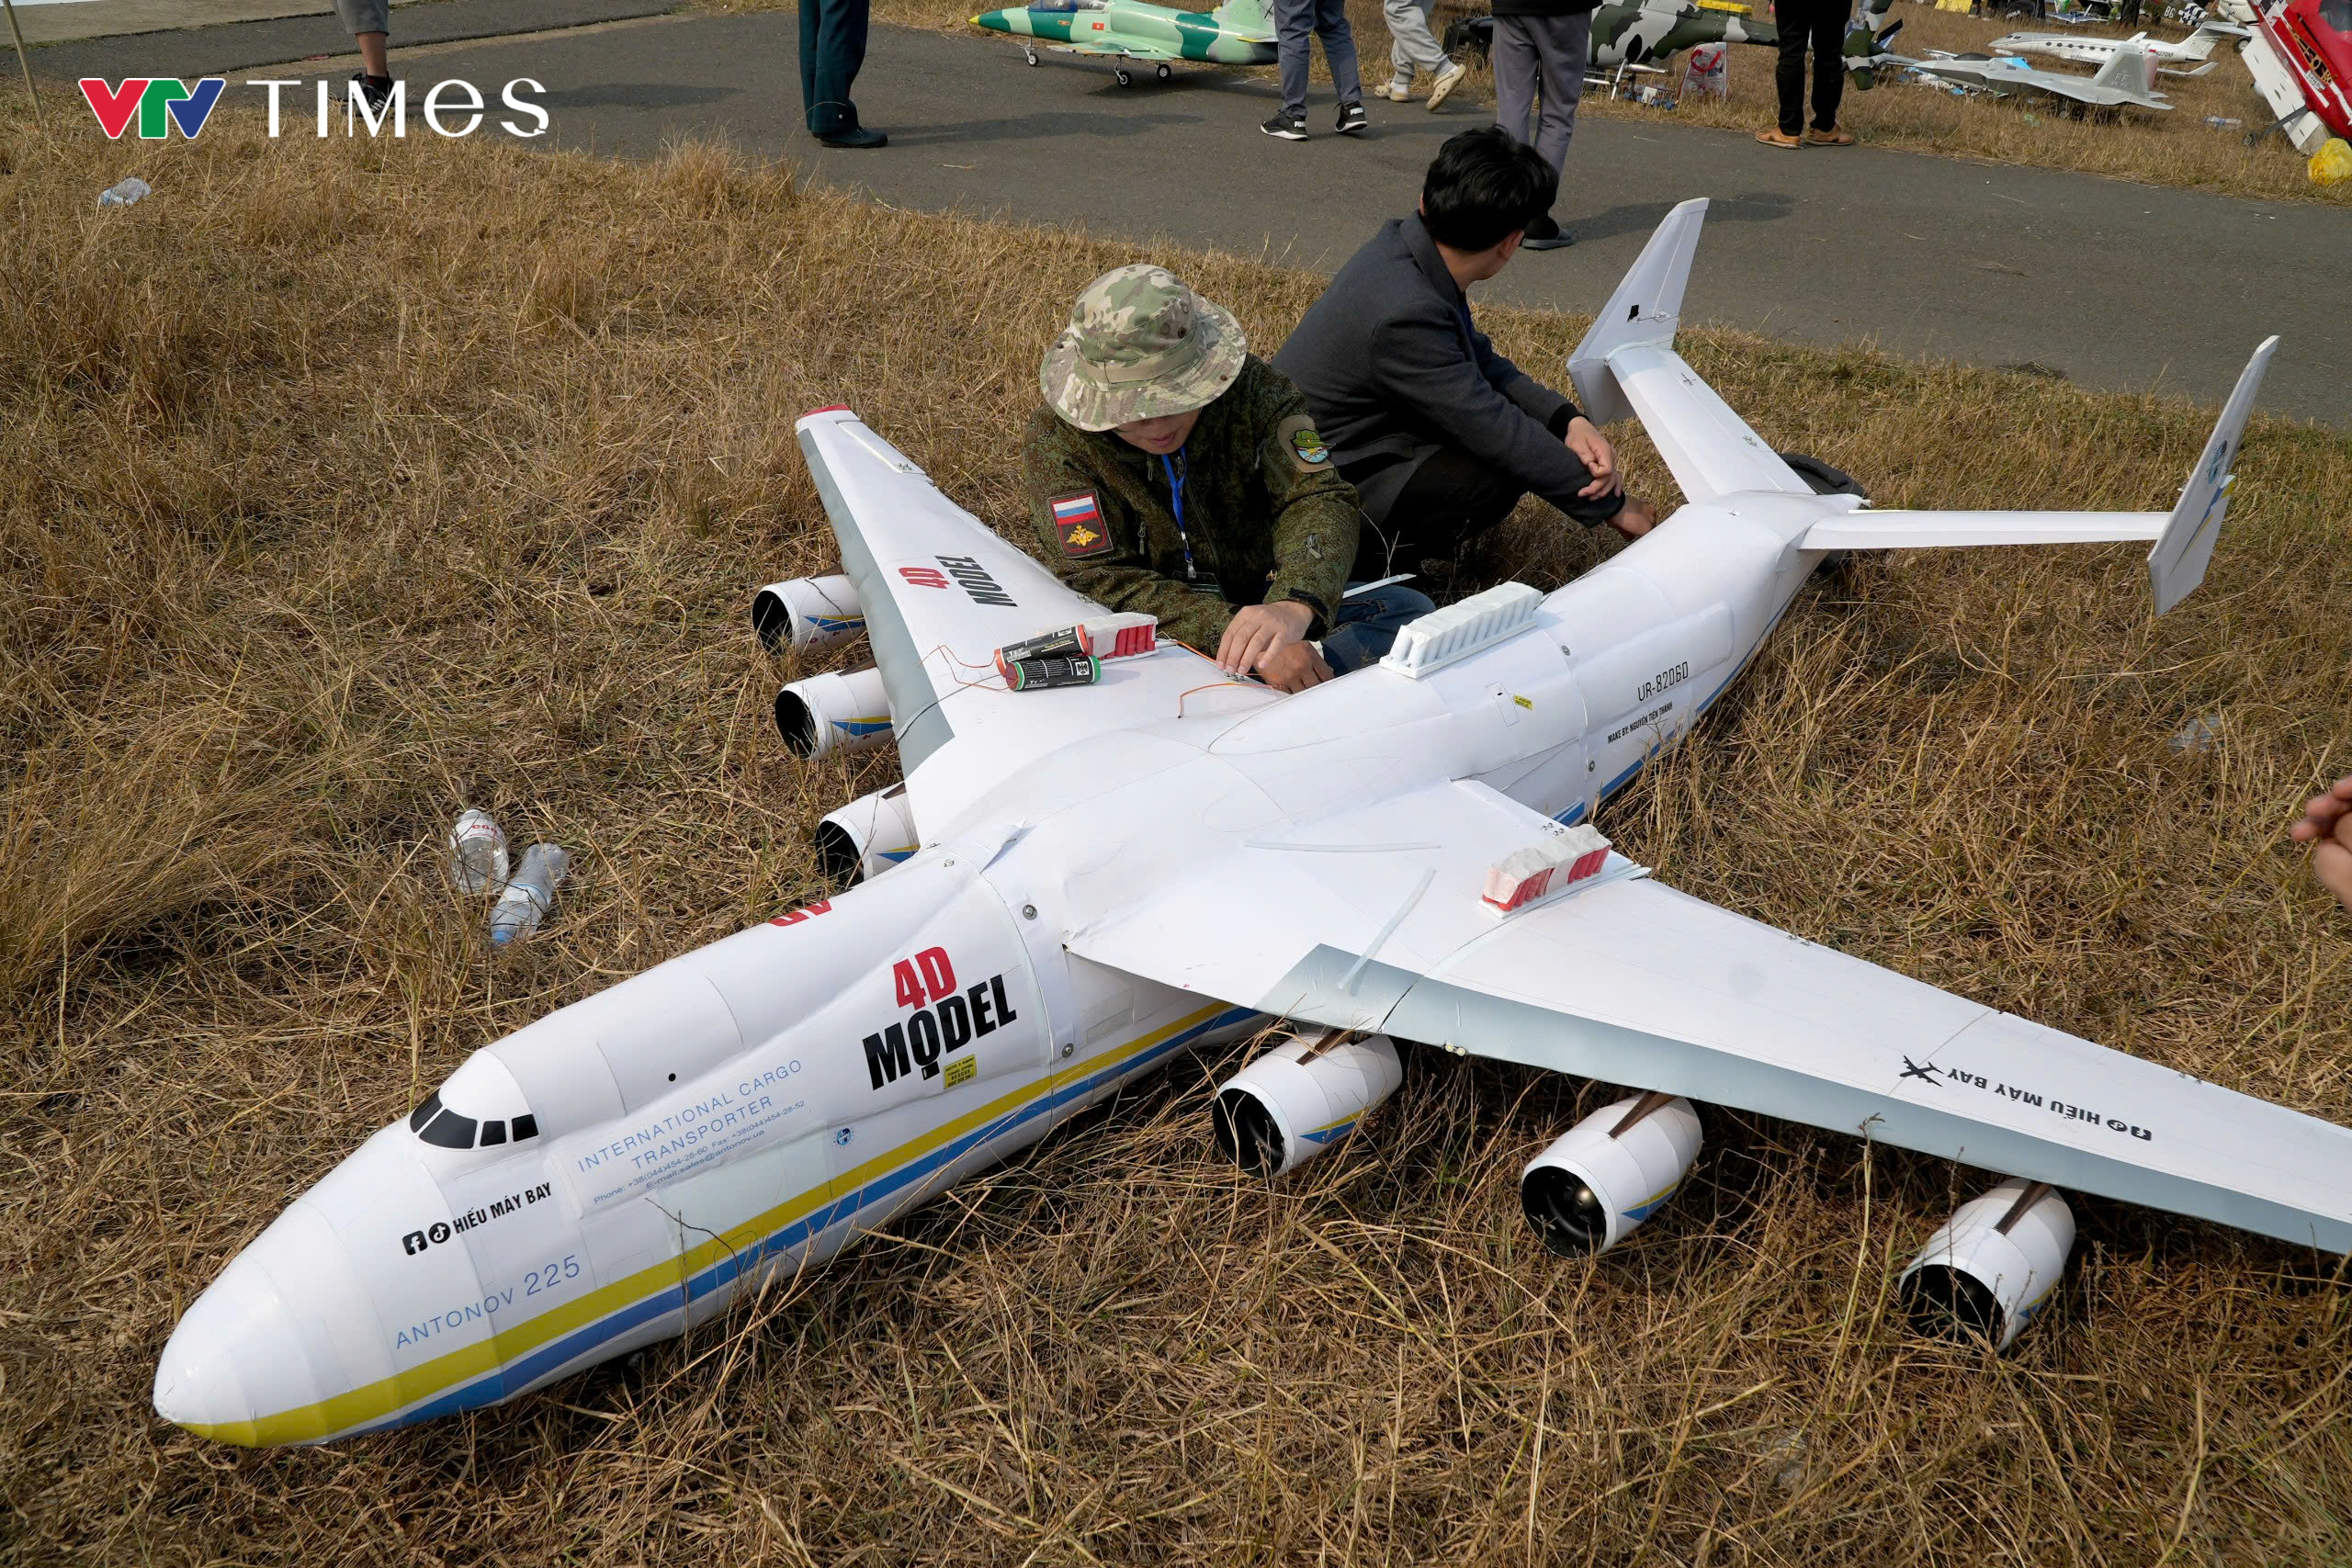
<point x="1447" y="79"/>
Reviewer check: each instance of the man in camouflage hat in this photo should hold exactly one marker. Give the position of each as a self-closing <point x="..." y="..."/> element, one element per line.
<point x="1172" y="472"/>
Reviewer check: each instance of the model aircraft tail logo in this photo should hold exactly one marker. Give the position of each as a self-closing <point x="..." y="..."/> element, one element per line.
<point x="160" y="102"/>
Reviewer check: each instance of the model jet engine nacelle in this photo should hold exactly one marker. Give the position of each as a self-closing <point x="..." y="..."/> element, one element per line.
<point x="1302" y="1097"/>
<point x="1992" y="1266"/>
<point x="832" y="713"/>
<point x="808" y="613"/>
<point x="1608" y="1173"/>
<point x="867" y="837"/>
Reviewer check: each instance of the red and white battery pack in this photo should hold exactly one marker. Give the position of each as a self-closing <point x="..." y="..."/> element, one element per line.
<point x="1122" y="636"/>
<point x="1554" y="865"/>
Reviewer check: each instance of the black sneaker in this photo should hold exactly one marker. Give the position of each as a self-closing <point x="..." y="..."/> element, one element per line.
<point x="1352" y="119"/>
<point x="854" y="136"/>
<point x="1286" y="127"/>
<point x="1545" y="234"/>
<point x="377" y="90"/>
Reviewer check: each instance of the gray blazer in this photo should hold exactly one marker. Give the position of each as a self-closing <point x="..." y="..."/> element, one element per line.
<point x="1393" y="369"/>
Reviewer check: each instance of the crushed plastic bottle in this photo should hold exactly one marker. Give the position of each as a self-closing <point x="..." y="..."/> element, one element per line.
<point x="476" y="853"/>
<point x="528" y="896"/>
<point x="2224" y="122"/>
<point x="2201" y="734"/>
<point x="126" y="192"/>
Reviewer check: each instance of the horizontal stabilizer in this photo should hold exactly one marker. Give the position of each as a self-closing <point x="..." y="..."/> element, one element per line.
<point x="1869" y="530"/>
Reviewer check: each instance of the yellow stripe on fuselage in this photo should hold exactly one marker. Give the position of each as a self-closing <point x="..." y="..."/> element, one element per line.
<point x="360" y="1407"/>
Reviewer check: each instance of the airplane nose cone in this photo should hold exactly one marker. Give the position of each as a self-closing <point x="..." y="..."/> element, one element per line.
<point x="232" y="1358"/>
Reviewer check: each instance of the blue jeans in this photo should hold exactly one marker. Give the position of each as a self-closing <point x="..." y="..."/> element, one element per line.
<point x="1364" y="626"/>
<point x="1296" y="23"/>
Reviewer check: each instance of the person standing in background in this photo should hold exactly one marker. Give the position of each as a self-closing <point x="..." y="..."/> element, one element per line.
<point x="1298" y="23"/>
<point x="1411" y="46"/>
<point x="832" y="46"/>
<point x="1820" y="25"/>
<point x="1545" y="41"/>
<point x="370" y="22"/>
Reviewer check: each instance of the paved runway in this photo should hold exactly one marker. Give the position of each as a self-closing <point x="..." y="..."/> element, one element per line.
<point x="2120" y="286"/>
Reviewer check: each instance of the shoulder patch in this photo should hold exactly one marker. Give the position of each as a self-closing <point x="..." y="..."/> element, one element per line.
<point x="1077" y="522"/>
<point x="1306" y="448"/>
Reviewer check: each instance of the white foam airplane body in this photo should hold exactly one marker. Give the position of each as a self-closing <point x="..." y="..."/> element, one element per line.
<point x="1108" y="873"/>
<point x="2173" y="59"/>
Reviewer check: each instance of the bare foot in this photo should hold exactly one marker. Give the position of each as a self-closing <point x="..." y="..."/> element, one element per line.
<point x="1635" y="518"/>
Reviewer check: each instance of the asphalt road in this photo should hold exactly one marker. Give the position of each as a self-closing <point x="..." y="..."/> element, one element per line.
<point x="2120" y="287"/>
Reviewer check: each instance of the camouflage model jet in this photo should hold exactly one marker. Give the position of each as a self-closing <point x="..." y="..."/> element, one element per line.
<point x="1628" y="33"/>
<point x="1236" y="33"/>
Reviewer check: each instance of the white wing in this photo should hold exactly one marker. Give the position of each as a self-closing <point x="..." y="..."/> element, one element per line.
<point x="1373" y="920"/>
<point x="942" y="593"/>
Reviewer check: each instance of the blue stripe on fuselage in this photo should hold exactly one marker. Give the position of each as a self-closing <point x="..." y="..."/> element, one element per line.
<point x="521" y="1373"/>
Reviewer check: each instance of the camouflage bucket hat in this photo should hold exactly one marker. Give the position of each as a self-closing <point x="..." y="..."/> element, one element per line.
<point x="1139" y="346"/>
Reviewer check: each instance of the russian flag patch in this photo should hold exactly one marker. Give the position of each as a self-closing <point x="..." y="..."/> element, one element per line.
<point x="1077" y="521"/>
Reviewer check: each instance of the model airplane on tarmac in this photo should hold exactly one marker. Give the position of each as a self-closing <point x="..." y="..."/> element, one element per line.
<point x="2086" y="50"/>
<point x="2126" y="80"/>
<point x="1167" y="858"/>
<point x="1236" y="33"/>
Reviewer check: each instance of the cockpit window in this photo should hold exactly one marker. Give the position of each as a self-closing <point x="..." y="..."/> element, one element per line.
<point x="1050" y="6"/>
<point x="445" y="1129"/>
<point x="450" y="1131"/>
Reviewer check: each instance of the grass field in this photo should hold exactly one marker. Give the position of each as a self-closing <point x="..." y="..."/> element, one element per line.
<point x="344" y="484"/>
<point x="2173" y="149"/>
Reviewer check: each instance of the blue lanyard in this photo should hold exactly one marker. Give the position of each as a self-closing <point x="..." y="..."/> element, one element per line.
<point x="1175" y="472"/>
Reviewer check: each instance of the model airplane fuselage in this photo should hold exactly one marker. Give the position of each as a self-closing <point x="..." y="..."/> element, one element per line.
<point x="1625" y="34"/>
<point x="2300" y="59"/>
<point x="2087" y="50"/>
<point x="1112" y="873"/>
<point x="2126" y="81"/>
<point x="1236" y="33"/>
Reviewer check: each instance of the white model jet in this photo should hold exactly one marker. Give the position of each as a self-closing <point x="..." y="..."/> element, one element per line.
<point x="1111" y="873"/>
<point x="2171" y="58"/>
<point x="2129" y="78"/>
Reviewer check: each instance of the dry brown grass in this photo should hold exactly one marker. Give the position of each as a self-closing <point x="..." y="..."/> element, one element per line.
<point x="343" y="485"/>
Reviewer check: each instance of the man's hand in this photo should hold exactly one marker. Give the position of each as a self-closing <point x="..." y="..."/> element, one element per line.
<point x="2327" y="825"/>
<point x="1294" y="667"/>
<point x="1593" y="450"/>
<point x="1257" y="631"/>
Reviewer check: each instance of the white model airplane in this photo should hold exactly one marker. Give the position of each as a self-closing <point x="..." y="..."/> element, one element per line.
<point x="2129" y="78"/>
<point x="2086" y="50"/>
<point x="1112" y="873"/>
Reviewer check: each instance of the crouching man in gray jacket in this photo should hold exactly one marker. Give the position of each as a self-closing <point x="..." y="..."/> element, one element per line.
<point x="1439" y="434"/>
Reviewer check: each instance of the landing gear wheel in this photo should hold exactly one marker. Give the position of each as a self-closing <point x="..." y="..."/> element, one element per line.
<point x="1164" y="73"/>
<point x="1031" y="55"/>
<point x="1126" y="78"/>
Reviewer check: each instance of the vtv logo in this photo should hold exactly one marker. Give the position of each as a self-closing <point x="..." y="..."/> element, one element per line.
<point x="160" y="102"/>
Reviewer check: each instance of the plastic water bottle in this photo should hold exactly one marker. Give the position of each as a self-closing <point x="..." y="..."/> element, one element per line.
<point x="476" y="853"/>
<point x="126" y="192"/>
<point x="529" y="894"/>
<point x="2224" y="122"/>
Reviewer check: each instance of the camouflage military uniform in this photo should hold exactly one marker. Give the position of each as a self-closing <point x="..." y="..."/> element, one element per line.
<point x="1266" y="515"/>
